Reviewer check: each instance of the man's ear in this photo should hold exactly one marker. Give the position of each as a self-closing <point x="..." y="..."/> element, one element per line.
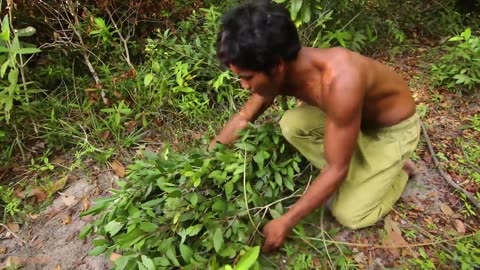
<point x="279" y="68"/>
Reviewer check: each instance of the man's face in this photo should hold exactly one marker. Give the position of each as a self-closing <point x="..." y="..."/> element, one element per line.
<point x="258" y="82"/>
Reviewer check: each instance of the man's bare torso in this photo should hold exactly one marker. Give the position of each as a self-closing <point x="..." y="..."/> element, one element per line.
<point x="387" y="99"/>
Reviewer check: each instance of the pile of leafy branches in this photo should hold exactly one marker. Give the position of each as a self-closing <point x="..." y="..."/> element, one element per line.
<point x="197" y="210"/>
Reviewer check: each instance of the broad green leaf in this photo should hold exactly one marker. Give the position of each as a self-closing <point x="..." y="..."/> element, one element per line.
<point x="5" y="35"/>
<point x="194" y="230"/>
<point x="13" y="76"/>
<point x="467" y="33"/>
<point x="148" y="79"/>
<point x="278" y="178"/>
<point x="248" y="259"/>
<point x="113" y="227"/>
<point x="288" y="184"/>
<point x="295" y="8"/>
<point x="26" y="32"/>
<point x="456" y="38"/>
<point x="28" y="50"/>
<point x="228" y="189"/>
<point x="194" y="198"/>
<point x="153" y="202"/>
<point x="121" y="263"/>
<point x="148" y="263"/>
<point x="4" y="49"/>
<point x="15" y="44"/>
<point x="148" y="227"/>
<point x="100" y="22"/>
<point x="156" y="67"/>
<point x="218" y="240"/>
<point x="85" y="231"/>
<point x="162" y="261"/>
<point x="172" y="255"/>
<point x="186" y="252"/>
<point x="98" y="250"/>
<point x="98" y="206"/>
<point x="245" y="146"/>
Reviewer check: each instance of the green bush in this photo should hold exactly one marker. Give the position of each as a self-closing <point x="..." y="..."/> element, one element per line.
<point x="196" y="210"/>
<point x="182" y="72"/>
<point x="459" y="67"/>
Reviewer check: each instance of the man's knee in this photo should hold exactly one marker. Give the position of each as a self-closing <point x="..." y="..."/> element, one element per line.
<point x="301" y="120"/>
<point x="290" y="123"/>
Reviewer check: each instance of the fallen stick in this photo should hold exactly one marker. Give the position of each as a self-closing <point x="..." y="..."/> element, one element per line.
<point x="445" y="176"/>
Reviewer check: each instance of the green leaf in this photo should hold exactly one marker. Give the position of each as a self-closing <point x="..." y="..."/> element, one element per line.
<point x="228" y="189"/>
<point x="28" y="50"/>
<point x="186" y="252"/>
<point x="248" y="259"/>
<point x="121" y="263"/>
<point x="26" y="32"/>
<point x="5" y="35"/>
<point x="467" y="33"/>
<point x="194" y="230"/>
<point x="98" y="250"/>
<point x="194" y="199"/>
<point x="148" y="227"/>
<point x="278" y="178"/>
<point x="296" y="6"/>
<point x="148" y="79"/>
<point x="245" y="146"/>
<point x="288" y="184"/>
<point x="218" y="240"/>
<point x="113" y="227"/>
<point x="156" y="67"/>
<point x="85" y="231"/>
<point x="172" y="256"/>
<point x="98" y="206"/>
<point x="13" y="76"/>
<point x="4" y="68"/>
<point x="148" y="263"/>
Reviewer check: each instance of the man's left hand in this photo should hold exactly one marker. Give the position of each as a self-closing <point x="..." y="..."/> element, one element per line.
<point x="275" y="233"/>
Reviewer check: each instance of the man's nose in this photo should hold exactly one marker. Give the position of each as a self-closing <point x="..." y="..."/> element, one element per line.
<point x="245" y="84"/>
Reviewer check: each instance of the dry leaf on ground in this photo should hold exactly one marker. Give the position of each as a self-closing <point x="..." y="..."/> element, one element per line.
<point x="3" y="250"/>
<point x="57" y="185"/>
<point x="13" y="227"/>
<point x="118" y="169"/>
<point x="40" y="194"/>
<point x="394" y="234"/>
<point x="67" y="220"/>
<point x="33" y="216"/>
<point x="446" y="210"/>
<point x="460" y="226"/>
<point x="85" y="203"/>
<point x="14" y="261"/>
<point x="68" y="200"/>
<point x="58" y="267"/>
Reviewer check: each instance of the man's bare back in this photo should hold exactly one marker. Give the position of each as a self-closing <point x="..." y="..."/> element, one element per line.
<point x="386" y="99"/>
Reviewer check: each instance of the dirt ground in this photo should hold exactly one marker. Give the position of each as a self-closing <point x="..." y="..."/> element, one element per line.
<point x="51" y="240"/>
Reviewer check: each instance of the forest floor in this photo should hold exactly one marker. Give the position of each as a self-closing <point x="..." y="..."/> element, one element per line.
<point x="430" y="218"/>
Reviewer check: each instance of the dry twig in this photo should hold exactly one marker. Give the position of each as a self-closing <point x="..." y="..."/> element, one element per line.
<point x="445" y="176"/>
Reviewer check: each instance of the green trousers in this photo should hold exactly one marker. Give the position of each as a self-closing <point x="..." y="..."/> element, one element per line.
<point x="376" y="178"/>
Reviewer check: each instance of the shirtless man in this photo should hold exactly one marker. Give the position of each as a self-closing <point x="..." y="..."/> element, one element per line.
<point x="358" y="123"/>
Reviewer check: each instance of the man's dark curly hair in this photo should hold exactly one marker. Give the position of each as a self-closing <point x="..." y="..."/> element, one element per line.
<point x="256" y="36"/>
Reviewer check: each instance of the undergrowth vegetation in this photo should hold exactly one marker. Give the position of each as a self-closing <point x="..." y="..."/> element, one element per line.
<point x="98" y="79"/>
<point x="200" y="210"/>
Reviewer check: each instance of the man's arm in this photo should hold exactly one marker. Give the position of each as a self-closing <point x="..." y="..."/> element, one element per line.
<point x="252" y="109"/>
<point x="344" y="110"/>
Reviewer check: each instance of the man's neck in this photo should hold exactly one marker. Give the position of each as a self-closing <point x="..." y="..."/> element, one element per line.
<point x="298" y="72"/>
